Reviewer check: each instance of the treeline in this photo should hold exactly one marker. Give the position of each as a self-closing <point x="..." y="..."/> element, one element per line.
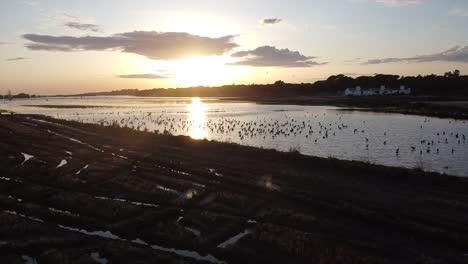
<point x="449" y="84"/>
<point x="18" y="96"/>
<point x="252" y="90"/>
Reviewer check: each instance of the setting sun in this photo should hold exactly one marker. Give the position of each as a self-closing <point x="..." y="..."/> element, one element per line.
<point x="196" y="71"/>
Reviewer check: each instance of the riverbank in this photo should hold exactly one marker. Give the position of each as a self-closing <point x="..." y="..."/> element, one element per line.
<point x="421" y="109"/>
<point x="70" y="190"/>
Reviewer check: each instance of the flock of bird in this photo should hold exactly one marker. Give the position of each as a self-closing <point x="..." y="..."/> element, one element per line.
<point x="310" y="128"/>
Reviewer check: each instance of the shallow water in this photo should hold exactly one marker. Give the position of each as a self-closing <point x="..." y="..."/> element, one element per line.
<point x="233" y="240"/>
<point x="110" y="235"/>
<point x="433" y="144"/>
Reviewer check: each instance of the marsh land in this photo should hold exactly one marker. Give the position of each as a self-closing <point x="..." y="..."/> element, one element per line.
<point x="72" y="191"/>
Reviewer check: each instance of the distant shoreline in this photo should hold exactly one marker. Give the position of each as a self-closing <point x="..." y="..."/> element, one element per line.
<point x="440" y="107"/>
<point x="431" y="106"/>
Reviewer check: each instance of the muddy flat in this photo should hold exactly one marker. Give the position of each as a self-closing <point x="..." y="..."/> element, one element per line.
<point x="82" y="193"/>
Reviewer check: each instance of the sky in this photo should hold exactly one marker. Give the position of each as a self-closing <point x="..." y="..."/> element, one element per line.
<point x="69" y="47"/>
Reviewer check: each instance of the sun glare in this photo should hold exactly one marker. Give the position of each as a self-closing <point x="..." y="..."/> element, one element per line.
<point x="200" y="71"/>
<point x="197" y="71"/>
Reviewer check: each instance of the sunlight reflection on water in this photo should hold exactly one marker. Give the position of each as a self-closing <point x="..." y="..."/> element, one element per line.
<point x="197" y="117"/>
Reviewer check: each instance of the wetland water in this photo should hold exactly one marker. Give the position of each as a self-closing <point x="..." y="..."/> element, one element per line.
<point x="433" y="144"/>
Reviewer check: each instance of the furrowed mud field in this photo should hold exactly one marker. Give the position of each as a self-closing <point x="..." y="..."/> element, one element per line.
<point x="83" y="193"/>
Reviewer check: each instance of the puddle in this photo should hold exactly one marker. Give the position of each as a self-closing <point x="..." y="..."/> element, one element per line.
<point x="65" y="212"/>
<point x="62" y="163"/>
<point x="109" y="235"/>
<point x="26" y="157"/>
<point x="76" y="141"/>
<point x="120" y="156"/>
<point x="97" y="257"/>
<point x="22" y="215"/>
<point x="213" y="171"/>
<point x="139" y="241"/>
<point x="10" y="179"/>
<point x="99" y="233"/>
<point x="172" y="170"/>
<point x="190" y="254"/>
<point x="199" y="185"/>
<point x="84" y="168"/>
<point x="127" y="201"/>
<point x="167" y="189"/>
<point x="28" y="260"/>
<point x="14" y="198"/>
<point x="194" y="231"/>
<point x="233" y="240"/>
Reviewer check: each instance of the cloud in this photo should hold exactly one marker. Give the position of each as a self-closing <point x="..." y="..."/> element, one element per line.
<point x="355" y="74"/>
<point x="268" y="56"/>
<point x="17" y="59"/>
<point x="31" y="3"/>
<point x="382" y="61"/>
<point x="152" y="44"/>
<point x="393" y="2"/>
<point x="270" y="21"/>
<point x="144" y="76"/>
<point x="399" y="2"/>
<point x="353" y="60"/>
<point x="459" y="12"/>
<point x="441" y="27"/>
<point x="455" y="54"/>
<point x="82" y="26"/>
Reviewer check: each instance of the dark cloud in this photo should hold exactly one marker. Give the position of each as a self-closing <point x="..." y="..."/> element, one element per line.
<point x="152" y="44"/>
<point x="455" y="54"/>
<point x="82" y="26"/>
<point x="268" y="56"/>
<point x="270" y="21"/>
<point x="17" y="59"/>
<point x="353" y="60"/>
<point x="144" y="76"/>
<point x="381" y="61"/>
<point x="355" y="74"/>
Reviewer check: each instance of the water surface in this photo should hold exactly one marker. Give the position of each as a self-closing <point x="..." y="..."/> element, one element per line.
<point x="432" y="144"/>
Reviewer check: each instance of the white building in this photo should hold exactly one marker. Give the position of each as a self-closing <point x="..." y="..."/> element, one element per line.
<point x="382" y="90"/>
<point x="404" y="90"/>
<point x="353" y="91"/>
<point x="358" y="91"/>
